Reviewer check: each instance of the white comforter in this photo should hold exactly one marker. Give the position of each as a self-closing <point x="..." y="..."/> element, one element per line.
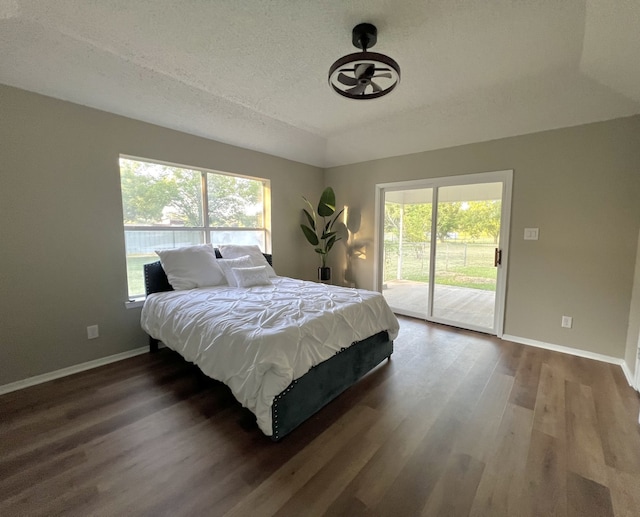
<point x="258" y="340"/>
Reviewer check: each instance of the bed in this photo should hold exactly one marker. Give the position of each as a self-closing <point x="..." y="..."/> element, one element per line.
<point x="311" y="341"/>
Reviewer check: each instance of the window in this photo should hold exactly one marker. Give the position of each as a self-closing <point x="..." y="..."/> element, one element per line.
<point x="167" y="206"/>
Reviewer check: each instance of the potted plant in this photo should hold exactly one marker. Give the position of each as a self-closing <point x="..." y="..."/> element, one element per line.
<point x="320" y="234"/>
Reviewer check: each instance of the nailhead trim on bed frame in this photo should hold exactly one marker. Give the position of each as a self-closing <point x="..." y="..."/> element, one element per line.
<point x="275" y="410"/>
<point x="286" y="390"/>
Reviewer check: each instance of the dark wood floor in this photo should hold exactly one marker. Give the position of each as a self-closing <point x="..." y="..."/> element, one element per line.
<point x="456" y="423"/>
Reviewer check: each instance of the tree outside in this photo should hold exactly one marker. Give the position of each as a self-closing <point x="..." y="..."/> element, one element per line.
<point x="234" y="201"/>
<point x="467" y="233"/>
<point x="155" y="194"/>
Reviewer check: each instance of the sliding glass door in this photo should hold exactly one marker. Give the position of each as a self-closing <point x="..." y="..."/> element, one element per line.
<point x="466" y="275"/>
<point x="442" y="250"/>
<point x="407" y="256"/>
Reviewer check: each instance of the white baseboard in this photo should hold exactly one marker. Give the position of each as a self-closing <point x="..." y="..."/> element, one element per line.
<point x="575" y="351"/>
<point x="45" y="377"/>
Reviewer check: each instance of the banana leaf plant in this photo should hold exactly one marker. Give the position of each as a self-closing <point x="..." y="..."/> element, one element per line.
<point x="318" y="232"/>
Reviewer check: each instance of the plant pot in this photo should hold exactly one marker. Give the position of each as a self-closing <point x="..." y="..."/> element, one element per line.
<point x="324" y="274"/>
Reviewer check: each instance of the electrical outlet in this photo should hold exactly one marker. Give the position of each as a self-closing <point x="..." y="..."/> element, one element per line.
<point x="567" y="322"/>
<point x="92" y="332"/>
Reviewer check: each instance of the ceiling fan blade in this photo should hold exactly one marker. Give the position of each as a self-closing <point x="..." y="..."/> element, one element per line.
<point x="357" y="90"/>
<point x="365" y="70"/>
<point x="387" y="75"/>
<point x="376" y="88"/>
<point x="346" y="80"/>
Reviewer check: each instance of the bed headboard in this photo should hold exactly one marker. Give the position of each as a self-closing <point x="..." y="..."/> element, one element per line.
<point x="155" y="279"/>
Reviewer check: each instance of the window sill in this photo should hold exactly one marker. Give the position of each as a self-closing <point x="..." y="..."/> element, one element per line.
<point x="136" y="303"/>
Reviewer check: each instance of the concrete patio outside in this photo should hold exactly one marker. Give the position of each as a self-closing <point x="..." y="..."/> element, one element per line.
<point x="458" y="304"/>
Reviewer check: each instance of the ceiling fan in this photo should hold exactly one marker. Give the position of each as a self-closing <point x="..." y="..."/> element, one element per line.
<point x="364" y="75"/>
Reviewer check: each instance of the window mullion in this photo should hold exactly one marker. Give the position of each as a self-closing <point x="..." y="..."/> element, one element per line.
<point x="205" y="208"/>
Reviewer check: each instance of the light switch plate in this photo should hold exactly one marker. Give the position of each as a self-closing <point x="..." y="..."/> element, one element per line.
<point x="531" y="234"/>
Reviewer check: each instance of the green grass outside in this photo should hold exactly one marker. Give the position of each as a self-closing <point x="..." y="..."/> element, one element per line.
<point x="135" y="272"/>
<point x="457" y="264"/>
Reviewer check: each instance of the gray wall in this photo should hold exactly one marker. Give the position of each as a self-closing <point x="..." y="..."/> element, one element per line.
<point x="62" y="262"/>
<point x="633" y="334"/>
<point x="580" y="186"/>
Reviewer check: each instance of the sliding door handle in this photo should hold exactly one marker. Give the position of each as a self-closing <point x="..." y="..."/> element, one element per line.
<point x="497" y="257"/>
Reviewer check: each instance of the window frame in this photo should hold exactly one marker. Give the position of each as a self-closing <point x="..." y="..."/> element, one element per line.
<point x="136" y="300"/>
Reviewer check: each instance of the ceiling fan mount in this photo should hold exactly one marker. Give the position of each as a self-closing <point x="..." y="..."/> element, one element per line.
<point x="364" y="36"/>
<point x="352" y="76"/>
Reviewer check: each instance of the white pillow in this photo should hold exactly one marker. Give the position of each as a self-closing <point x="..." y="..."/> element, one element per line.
<point x="231" y="251"/>
<point x="228" y="264"/>
<point x="250" y="276"/>
<point x="191" y="266"/>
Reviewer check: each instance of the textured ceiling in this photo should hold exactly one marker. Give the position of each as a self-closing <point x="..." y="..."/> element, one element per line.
<point x="254" y="73"/>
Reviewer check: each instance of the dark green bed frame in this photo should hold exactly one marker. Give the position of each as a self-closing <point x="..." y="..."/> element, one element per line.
<point x="307" y="395"/>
